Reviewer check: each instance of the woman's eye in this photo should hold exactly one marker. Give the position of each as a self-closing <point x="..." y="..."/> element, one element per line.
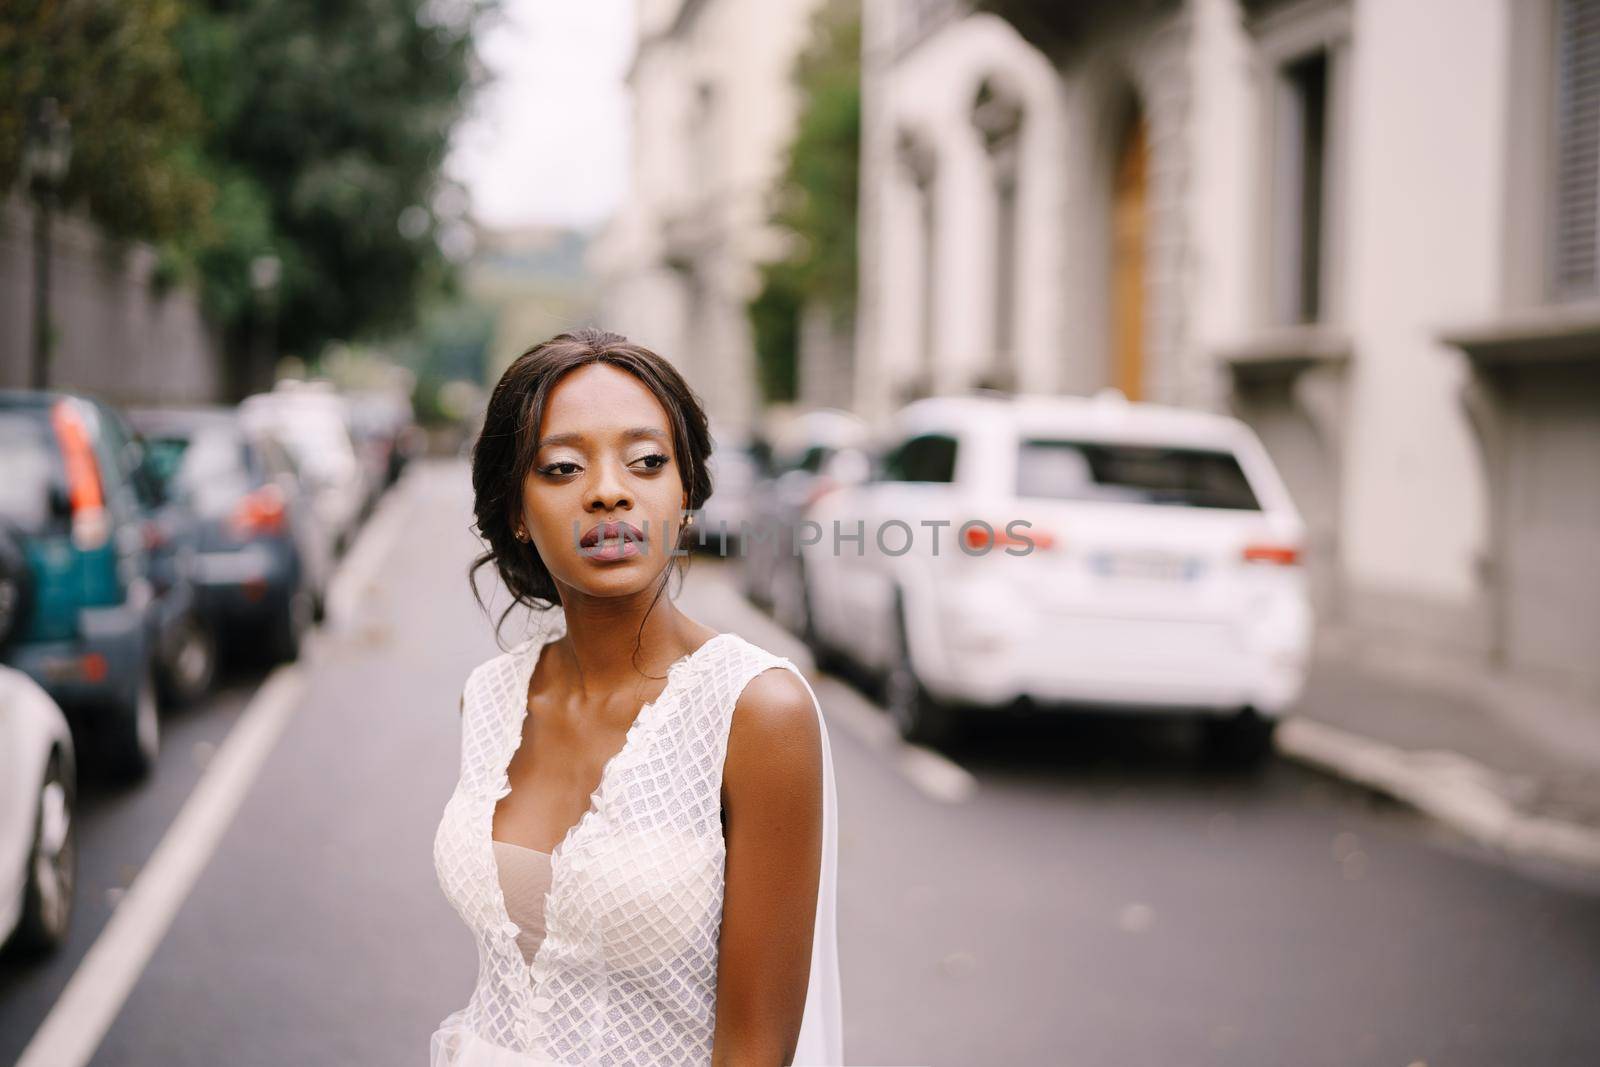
<point x="555" y="468"/>
<point x="654" y="456"/>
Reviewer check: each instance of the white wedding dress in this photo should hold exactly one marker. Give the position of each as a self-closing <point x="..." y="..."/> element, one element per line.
<point x="627" y="970"/>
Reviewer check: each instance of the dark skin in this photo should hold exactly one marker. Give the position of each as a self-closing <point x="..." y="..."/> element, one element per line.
<point x="606" y="453"/>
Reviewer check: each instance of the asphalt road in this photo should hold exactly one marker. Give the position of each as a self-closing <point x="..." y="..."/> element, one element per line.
<point x="1054" y="892"/>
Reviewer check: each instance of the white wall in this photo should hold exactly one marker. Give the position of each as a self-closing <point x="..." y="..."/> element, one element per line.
<point x="1425" y="193"/>
<point x="746" y="53"/>
<point x="1224" y="202"/>
<point x="931" y="90"/>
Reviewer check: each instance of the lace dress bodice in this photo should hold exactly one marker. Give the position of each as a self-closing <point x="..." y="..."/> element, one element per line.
<point x="625" y="972"/>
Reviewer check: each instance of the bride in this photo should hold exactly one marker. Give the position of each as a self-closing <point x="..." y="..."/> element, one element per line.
<point x="643" y="837"/>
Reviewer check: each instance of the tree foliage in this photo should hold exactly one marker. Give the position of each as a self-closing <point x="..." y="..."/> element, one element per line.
<point x="226" y="130"/>
<point x="327" y="129"/>
<point x="116" y="74"/>
<point x="815" y="199"/>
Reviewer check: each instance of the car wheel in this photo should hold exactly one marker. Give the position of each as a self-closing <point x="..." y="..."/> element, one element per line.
<point x="187" y="674"/>
<point x="47" y="897"/>
<point x="1240" y="740"/>
<point x="287" y="630"/>
<point x="917" y="715"/>
<point x="135" y="739"/>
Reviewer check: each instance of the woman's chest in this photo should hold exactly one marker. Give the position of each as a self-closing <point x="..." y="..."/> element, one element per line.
<point x="635" y="886"/>
<point x="645" y="895"/>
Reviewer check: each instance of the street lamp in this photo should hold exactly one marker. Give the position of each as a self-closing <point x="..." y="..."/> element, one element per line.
<point x="46" y="154"/>
<point x="265" y="273"/>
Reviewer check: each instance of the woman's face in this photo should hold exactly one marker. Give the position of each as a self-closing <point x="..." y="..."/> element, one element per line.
<point x="605" y="456"/>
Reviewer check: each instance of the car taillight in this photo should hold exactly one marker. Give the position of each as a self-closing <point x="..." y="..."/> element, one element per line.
<point x="91" y="524"/>
<point x="1263" y="552"/>
<point x="994" y="535"/>
<point x="259" y="512"/>
<point x="155" y="535"/>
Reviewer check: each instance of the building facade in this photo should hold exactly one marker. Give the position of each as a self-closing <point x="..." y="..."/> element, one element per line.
<point x="1370" y="229"/>
<point x="713" y="111"/>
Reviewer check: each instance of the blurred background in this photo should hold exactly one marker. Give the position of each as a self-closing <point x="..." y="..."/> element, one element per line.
<point x="1215" y="385"/>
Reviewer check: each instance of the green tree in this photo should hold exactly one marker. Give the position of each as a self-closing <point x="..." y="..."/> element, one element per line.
<point x="227" y="130"/>
<point x="815" y="199"/>
<point x="326" y="129"/>
<point x="113" y="69"/>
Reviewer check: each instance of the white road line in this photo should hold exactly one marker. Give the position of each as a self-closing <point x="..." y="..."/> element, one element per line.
<point x="934" y="775"/>
<point x="95" y="994"/>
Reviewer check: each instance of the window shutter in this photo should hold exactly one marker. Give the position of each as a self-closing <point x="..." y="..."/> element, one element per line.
<point x="1577" y="193"/>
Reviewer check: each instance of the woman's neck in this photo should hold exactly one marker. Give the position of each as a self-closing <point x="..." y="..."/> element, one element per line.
<point x="611" y="642"/>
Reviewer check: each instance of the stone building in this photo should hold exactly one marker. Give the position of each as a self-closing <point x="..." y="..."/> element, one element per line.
<point x="1371" y="229"/>
<point x="713" y="111"/>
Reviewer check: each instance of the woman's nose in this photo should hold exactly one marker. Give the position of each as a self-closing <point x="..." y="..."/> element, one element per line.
<point x="609" y="490"/>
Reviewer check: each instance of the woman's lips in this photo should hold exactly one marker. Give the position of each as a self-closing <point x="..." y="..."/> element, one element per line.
<point x="612" y="540"/>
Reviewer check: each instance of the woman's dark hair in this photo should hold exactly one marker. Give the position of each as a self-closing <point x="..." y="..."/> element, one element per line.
<point x="507" y="444"/>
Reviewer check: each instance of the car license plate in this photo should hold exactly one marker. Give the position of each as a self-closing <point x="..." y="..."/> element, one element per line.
<point x="1146" y="566"/>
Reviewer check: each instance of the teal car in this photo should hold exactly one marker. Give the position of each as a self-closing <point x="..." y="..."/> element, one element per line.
<point x="97" y="604"/>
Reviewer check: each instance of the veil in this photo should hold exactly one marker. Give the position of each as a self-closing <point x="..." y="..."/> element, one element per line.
<point x="821" y="1041"/>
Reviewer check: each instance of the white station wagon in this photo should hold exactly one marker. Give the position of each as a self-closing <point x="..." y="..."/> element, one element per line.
<point x="1063" y="551"/>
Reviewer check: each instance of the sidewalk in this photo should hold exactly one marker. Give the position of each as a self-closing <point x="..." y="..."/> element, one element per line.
<point x="1513" y="766"/>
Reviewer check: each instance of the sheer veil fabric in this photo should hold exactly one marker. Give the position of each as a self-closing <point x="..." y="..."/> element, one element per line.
<point x="627" y="971"/>
<point x="822" y="1027"/>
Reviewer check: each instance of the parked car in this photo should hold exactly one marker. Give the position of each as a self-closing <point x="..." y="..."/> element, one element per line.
<point x="797" y="476"/>
<point x="385" y="433"/>
<point x="38" y="826"/>
<point x="1098" y="553"/>
<point x="313" y="423"/>
<point x="108" y="618"/>
<point x="737" y="464"/>
<point x="263" y="560"/>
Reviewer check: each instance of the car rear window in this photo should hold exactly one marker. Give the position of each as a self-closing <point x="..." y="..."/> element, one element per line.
<point x="29" y="457"/>
<point x="208" y="466"/>
<point x="1132" y="474"/>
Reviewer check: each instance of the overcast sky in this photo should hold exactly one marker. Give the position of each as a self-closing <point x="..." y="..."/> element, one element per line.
<point x="547" y="142"/>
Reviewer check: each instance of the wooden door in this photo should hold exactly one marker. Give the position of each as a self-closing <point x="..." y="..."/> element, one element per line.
<point x="1129" y="227"/>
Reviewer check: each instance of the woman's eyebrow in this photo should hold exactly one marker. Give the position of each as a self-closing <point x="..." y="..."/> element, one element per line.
<point x="577" y="437"/>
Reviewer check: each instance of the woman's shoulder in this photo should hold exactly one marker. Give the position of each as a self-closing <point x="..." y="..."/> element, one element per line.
<point x="750" y="650"/>
<point x="773" y="686"/>
<point x="774" y="730"/>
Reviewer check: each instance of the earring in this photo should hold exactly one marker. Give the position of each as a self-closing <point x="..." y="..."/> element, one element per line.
<point x="522" y="535"/>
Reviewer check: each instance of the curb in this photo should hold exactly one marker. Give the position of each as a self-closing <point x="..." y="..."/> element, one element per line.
<point x="1449" y="787"/>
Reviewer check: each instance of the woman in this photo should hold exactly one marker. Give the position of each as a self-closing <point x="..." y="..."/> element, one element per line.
<point x="643" y="837"/>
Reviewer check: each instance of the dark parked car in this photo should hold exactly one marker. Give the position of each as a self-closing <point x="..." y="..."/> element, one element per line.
<point x="797" y="473"/>
<point x="262" y="564"/>
<point x="385" y="433"/>
<point x="103" y="609"/>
